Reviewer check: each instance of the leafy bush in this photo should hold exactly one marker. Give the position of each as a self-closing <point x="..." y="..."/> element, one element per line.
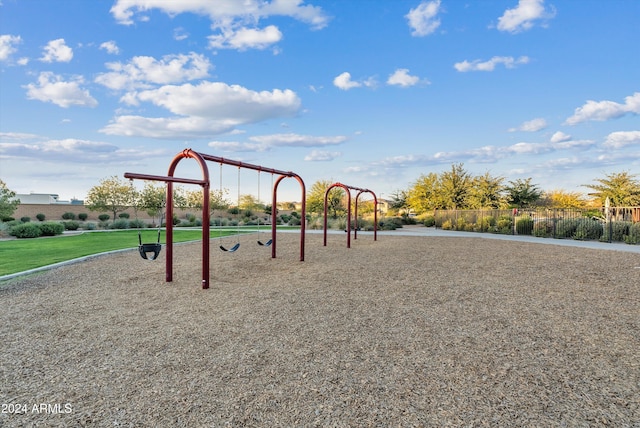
<point x="123" y="215"/>
<point x="90" y="226"/>
<point x="295" y="221"/>
<point x="524" y="225"/>
<point x="486" y="224"/>
<point x="25" y="230"/>
<point x="68" y="216"/>
<point x="83" y="216"/>
<point x="71" y="225"/>
<point x="7" y="219"/>
<point x="447" y="225"/>
<point x="618" y="231"/>
<point x="429" y="221"/>
<point x="566" y="228"/>
<point x="51" y="228"/>
<point x="104" y="217"/>
<point x="40" y="217"/>
<point x="25" y="219"/>
<point x="634" y="234"/>
<point x="137" y="224"/>
<point x="504" y="225"/>
<point x="588" y="228"/>
<point x="234" y="210"/>
<point x="120" y="224"/>
<point x="543" y="228"/>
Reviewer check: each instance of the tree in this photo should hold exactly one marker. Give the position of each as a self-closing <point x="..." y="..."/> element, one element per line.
<point x="455" y="186"/>
<point x="563" y="199"/>
<point x="112" y="194"/>
<point x="315" y="199"/>
<point x="424" y="194"/>
<point x="522" y="193"/>
<point x="621" y="188"/>
<point x="8" y="203"/>
<point x="250" y="202"/>
<point x="398" y="202"/>
<point x="486" y="192"/>
<point x="153" y="199"/>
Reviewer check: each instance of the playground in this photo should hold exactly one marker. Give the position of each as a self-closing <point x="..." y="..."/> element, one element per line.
<point x="402" y="331"/>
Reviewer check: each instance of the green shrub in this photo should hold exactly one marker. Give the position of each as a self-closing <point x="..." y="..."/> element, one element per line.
<point x="566" y="228"/>
<point x="71" y="225"/>
<point x="486" y="223"/>
<point x="295" y="221"/>
<point x="104" y="217"/>
<point x="120" y="224"/>
<point x="25" y="219"/>
<point x="588" y="228"/>
<point x="68" y="216"/>
<point x="430" y="221"/>
<point x="524" y="225"/>
<point x="634" y="234"/>
<point x="51" y="228"/>
<point x="137" y="224"/>
<point x="543" y="228"/>
<point x="617" y="229"/>
<point x="83" y="216"/>
<point x="40" y="217"/>
<point x="7" y="219"/>
<point x="504" y="225"/>
<point x="25" y="230"/>
<point x="123" y="215"/>
<point x="90" y="226"/>
<point x="234" y="210"/>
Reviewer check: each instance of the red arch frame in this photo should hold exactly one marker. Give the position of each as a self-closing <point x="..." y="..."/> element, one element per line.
<point x="201" y="158"/>
<point x="348" y="189"/>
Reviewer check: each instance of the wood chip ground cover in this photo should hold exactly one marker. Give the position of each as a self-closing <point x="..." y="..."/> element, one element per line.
<point x="405" y="331"/>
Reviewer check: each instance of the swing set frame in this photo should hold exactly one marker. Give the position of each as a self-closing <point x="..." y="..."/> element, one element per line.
<point x="348" y="190"/>
<point x="205" y="183"/>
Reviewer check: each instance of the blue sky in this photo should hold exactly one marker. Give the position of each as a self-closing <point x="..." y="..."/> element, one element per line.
<point x="369" y="93"/>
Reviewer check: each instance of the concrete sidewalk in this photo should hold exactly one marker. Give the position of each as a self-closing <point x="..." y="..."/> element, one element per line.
<point x="433" y="232"/>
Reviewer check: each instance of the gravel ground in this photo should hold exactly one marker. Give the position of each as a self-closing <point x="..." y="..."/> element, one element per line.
<point x="405" y="331"/>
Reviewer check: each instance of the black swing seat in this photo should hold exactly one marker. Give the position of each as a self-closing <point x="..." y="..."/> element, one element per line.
<point x="230" y="250"/>
<point x="265" y="244"/>
<point x="150" y="251"/>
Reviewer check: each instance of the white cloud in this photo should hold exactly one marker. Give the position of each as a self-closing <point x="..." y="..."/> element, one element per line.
<point x="321" y="156"/>
<point x="296" y="140"/>
<point x="532" y="125"/>
<point x="344" y="82"/>
<point x="70" y="149"/>
<point x="111" y="47"/>
<point x="559" y="137"/>
<point x="620" y="139"/>
<point x="246" y="38"/>
<point x="235" y="22"/>
<point x="423" y="19"/>
<point x="261" y="143"/>
<point x="605" y="110"/>
<point x="142" y="71"/>
<point x="523" y="16"/>
<point x="7" y="45"/>
<point x="401" y="77"/>
<point x="490" y="65"/>
<point x="52" y="88"/>
<point x="180" y="34"/>
<point x="223" y="11"/>
<point x="204" y="109"/>
<point x="57" y="51"/>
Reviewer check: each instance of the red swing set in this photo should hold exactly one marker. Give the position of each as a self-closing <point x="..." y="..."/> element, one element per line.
<point x="348" y="189"/>
<point x="205" y="183"/>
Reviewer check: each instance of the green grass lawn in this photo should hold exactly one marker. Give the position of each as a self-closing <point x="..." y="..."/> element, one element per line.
<point x="18" y="255"/>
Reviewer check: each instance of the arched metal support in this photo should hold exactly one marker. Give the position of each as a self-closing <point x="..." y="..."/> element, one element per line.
<point x="348" y="190"/>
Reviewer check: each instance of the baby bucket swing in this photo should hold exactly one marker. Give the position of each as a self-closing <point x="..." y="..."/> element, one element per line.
<point x="270" y="241"/>
<point x="237" y="245"/>
<point x="150" y="250"/>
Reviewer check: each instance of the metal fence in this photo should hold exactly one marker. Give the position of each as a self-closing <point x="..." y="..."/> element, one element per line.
<point x="615" y="224"/>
